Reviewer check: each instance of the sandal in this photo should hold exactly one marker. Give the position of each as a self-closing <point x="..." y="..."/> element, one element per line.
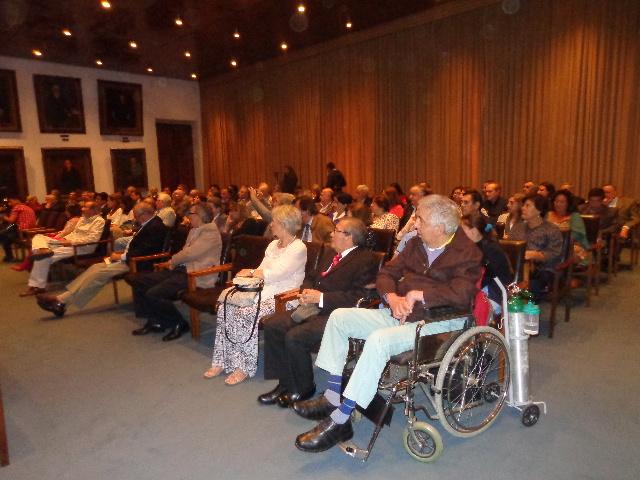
<point x="213" y="372"/>
<point x="238" y="376"/>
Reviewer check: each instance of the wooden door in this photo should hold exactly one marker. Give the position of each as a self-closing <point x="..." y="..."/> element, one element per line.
<point x="13" y="177"/>
<point x="175" y="155"/>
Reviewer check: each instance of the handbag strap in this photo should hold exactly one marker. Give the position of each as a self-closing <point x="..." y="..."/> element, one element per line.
<point x="231" y="291"/>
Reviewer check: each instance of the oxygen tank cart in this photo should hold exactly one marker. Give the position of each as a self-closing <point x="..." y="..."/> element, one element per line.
<point x="520" y="321"/>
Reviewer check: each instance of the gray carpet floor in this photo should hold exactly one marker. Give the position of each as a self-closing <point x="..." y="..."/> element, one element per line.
<point x="84" y="399"/>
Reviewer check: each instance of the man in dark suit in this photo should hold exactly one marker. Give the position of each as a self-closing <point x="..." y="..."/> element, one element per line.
<point x="628" y="210"/>
<point x="315" y="226"/>
<point x="148" y="240"/>
<point x="338" y="282"/>
<point x="335" y="178"/>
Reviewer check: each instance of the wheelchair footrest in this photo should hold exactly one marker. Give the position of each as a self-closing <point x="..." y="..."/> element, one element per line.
<point x="353" y="450"/>
<point x="375" y="410"/>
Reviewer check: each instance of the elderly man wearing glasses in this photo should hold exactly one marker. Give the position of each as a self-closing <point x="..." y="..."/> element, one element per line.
<point x="438" y="267"/>
<point x="155" y="292"/>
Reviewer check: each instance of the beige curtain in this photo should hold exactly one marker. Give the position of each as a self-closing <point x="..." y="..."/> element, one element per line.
<point x="549" y="93"/>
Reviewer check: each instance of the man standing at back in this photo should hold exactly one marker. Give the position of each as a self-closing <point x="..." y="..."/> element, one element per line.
<point x="335" y="179"/>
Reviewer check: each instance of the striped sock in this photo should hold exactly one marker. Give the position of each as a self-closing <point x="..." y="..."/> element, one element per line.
<point x="342" y="414"/>
<point x="332" y="393"/>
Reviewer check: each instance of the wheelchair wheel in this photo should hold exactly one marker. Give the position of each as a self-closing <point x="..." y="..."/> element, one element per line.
<point x="423" y="442"/>
<point x="530" y="415"/>
<point x="472" y="382"/>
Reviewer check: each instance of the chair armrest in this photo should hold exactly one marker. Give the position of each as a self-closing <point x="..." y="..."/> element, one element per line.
<point x="75" y="246"/>
<point x="284" y="297"/>
<point x="133" y="261"/>
<point x="193" y="276"/>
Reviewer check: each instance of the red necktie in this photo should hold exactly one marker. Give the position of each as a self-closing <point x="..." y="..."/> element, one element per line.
<point x="335" y="262"/>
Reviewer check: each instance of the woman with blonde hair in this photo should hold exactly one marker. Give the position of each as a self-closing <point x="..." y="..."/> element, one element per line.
<point x="236" y="343"/>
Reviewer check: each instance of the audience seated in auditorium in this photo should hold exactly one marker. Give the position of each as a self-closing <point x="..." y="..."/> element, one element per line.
<point x="21" y="217"/>
<point x="529" y="188"/>
<point x="408" y="283"/>
<point x="627" y="209"/>
<point x="325" y="206"/>
<point x="563" y="214"/>
<point x="546" y="190"/>
<point x="395" y="205"/>
<point x="339" y="282"/>
<point x="361" y="196"/>
<point x="407" y="222"/>
<point x="179" y="203"/>
<point x="315" y="227"/>
<point x="494" y="204"/>
<point x="148" y="240"/>
<point x="115" y="214"/>
<point x="512" y="219"/>
<point x="154" y="293"/>
<point x="471" y="202"/>
<point x="595" y="206"/>
<point x="47" y="250"/>
<point x="164" y="210"/>
<point x="494" y="259"/>
<point x="33" y="203"/>
<point x="456" y="194"/>
<point x="381" y="216"/>
<point x="236" y="342"/>
<point x="544" y="244"/>
<point x="341" y="207"/>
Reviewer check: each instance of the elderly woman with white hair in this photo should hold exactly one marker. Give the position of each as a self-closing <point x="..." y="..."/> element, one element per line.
<point x="236" y="343"/>
<point x="164" y="210"/>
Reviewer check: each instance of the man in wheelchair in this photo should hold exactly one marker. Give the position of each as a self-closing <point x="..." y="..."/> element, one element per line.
<point x="439" y="267"/>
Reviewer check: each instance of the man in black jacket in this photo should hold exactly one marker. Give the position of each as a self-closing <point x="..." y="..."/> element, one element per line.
<point x="148" y="240"/>
<point x="335" y="178"/>
<point x="339" y="281"/>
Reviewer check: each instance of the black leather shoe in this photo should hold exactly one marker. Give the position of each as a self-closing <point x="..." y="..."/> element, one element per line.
<point x="287" y="399"/>
<point x="324" y="436"/>
<point x="176" y="332"/>
<point x="271" y="396"/>
<point x="51" y="304"/>
<point x="148" y="328"/>
<point x="315" y="409"/>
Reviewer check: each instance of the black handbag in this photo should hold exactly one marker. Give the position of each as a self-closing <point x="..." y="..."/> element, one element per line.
<point x="242" y="287"/>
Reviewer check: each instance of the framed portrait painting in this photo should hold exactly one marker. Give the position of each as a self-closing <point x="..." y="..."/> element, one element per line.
<point x="129" y="168"/>
<point x="68" y="169"/>
<point x="59" y="101"/>
<point x="9" y="106"/>
<point x="13" y="176"/>
<point x="120" y="106"/>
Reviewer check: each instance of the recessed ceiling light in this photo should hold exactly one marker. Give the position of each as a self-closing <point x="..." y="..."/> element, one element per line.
<point x="348" y="24"/>
<point x="236" y="34"/>
<point x="149" y="69"/>
<point x="234" y="62"/>
<point x="187" y="54"/>
<point x="105" y="4"/>
<point x="179" y="21"/>
<point x="37" y="53"/>
<point x="194" y="76"/>
<point x="284" y="46"/>
<point x="302" y="8"/>
<point x="133" y="44"/>
<point x="98" y="62"/>
<point x="66" y="32"/>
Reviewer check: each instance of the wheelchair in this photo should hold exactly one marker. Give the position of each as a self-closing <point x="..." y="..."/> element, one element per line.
<point x="464" y="376"/>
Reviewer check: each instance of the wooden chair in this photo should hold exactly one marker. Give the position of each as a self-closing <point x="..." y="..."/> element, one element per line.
<point x="4" y="444"/>
<point x="632" y="243"/>
<point x="381" y="240"/>
<point x="590" y="273"/>
<point x="514" y="249"/>
<point x="561" y="286"/>
<point x="247" y="252"/>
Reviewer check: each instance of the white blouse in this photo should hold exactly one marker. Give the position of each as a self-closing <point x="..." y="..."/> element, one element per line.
<point x="116" y="217"/>
<point x="283" y="268"/>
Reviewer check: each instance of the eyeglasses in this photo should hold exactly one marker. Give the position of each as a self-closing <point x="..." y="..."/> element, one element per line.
<point x="342" y="232"/>
<point x="192" y="213"/>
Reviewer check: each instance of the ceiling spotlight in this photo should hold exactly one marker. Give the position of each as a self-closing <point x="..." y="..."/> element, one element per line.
<point x="66" y="32"/>
<point x="98" y="62"/>
<point x="37" y="53"/>
<point x="236" y="34"/>
<point x="149" y="69"/>
<point x="105" y="4"/>
<point x="194" y="76"/>
<point x="301" y="8"/>
<point x="187" y="54"/>
<point x="133" y="44"/>
<point x="348" y="24"/>
<point x="234" y="62"/>
<point x="179" y="21"/>
<point x="284" y="46"/>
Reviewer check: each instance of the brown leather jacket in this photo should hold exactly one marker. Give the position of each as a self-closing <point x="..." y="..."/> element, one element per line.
<point x="451" y="280"/>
